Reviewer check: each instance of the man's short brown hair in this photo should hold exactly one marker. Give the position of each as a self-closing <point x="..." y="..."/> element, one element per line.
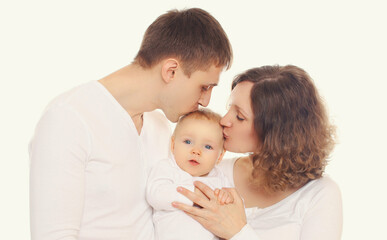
<point x="192" y="36"/>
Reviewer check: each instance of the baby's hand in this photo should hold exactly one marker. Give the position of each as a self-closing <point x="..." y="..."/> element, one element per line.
<point x="224" y="197"/>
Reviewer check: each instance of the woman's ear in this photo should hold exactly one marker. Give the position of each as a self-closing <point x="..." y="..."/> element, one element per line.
<point x="168" y="69"/>
<point x="221" y="156"/>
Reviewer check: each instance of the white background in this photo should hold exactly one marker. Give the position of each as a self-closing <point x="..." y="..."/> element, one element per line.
<point x="48" y="47"/>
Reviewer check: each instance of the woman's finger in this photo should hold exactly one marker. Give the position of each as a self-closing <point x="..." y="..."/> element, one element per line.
<point x="205" y="189"/>
<point x="216" y="191"/>
<point x="197" y="218"/>
<point x="196" y="198"/>
<point x="191" y="210"/>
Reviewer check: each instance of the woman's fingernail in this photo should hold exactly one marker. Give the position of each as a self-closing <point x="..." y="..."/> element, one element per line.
<point x="174" y="204"/>
<point x="179" y="189"/>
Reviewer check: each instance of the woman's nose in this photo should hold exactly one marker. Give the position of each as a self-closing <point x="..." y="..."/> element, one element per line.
<point x="225" y="122"/>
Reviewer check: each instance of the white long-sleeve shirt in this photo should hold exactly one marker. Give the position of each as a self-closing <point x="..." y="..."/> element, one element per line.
<point x="171" y="223"/>
<point x="312" y="212"/>
<point x="89" y="166"/>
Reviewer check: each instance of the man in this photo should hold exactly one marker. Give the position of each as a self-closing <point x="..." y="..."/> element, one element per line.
<point x="95" y="144"/>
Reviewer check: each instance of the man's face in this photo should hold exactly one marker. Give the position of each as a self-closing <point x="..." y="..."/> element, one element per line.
<point x="197" y="146"/>
<point x="185" y="93"/>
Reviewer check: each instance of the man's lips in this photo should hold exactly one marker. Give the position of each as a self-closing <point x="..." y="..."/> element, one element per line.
<point x="194" y="109"/>
<point x="193" y="162"/>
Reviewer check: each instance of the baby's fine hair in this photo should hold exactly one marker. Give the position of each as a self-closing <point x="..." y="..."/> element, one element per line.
<point x="203" y="113"/>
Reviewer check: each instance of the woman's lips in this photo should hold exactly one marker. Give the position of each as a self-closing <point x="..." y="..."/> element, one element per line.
<point x="225" y="136"/>
<point x="193" y="162"/>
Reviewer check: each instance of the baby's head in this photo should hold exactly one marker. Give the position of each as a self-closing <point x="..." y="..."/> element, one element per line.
<point x="197" y="142"/>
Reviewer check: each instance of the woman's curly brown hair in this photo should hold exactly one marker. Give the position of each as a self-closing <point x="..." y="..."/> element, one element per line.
<point x="291" y="121"/>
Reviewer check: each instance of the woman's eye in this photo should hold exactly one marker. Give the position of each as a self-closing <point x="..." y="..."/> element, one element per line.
<point x="239" y="118"/>
<point x="187" y="141"/>
<point x="208" y="147"/>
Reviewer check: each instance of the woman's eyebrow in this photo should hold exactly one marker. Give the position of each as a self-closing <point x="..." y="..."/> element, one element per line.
<point x="241" y="110"/>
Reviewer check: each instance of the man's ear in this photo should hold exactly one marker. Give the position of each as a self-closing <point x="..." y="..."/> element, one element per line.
<point x="172" y="143"/>
<point x="168" y="69"/>
<point x="221" y="156"/>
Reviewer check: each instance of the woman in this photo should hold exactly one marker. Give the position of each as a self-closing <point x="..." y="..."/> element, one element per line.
<point x="275" y="115"/>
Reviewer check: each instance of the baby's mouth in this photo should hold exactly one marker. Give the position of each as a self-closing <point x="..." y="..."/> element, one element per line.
<point x="193" y="162"/>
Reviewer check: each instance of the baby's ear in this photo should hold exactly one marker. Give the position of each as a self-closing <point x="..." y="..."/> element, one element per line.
<point x="221" y="156"/>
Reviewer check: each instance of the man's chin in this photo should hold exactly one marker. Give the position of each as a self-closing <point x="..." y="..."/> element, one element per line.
<point x="173" y="119"/>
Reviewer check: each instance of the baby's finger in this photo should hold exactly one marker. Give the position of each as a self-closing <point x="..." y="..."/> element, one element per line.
<point x="221" y="197"/>
<point x="229" y="200"/>
<point x="216" y="192"/>
<point x="224" y="198"/>
<point x="234" y="194"/>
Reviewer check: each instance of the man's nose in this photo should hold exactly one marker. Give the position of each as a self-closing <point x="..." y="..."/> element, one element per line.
<point x="205" y="98"/>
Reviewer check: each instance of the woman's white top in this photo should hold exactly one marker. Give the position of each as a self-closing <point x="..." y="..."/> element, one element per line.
<point x="312" y="212"/>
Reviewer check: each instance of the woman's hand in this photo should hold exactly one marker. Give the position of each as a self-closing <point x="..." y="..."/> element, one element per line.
<point x="222" y="220"/>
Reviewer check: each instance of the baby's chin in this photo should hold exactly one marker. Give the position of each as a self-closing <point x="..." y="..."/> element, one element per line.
<point x="195" y="172"/>
<point x="199" y="174"/>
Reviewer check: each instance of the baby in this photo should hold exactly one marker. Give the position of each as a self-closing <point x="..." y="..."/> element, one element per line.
<point x="197" y="146"/>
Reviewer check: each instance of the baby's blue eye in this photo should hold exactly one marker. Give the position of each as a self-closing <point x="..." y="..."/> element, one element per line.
<point x="187" y="141"/>
<point x="208" y="147"/>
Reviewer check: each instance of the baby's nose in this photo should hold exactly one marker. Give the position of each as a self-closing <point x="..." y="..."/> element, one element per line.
<point x="196" y="151"/>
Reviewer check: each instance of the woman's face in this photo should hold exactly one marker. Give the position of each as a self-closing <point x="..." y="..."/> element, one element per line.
<point x="238" y="122"/>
